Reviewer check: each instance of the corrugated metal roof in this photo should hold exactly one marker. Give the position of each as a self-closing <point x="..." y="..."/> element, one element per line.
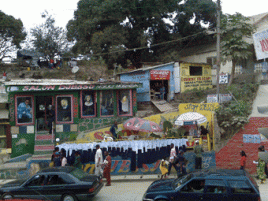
<point x="147" y="68"/>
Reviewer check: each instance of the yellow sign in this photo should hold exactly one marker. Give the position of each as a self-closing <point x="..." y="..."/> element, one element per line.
<point x="195" y="75"/>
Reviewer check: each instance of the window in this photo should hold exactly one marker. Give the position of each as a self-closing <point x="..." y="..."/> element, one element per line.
<point x="64" y="108"/>
<point x="88" y="104"/>
<point x="124" y="104"/>
<point x="24" y="110"/>
<point x="195" y="185"/>
<point x="107" y="103"/>
<point x="212" y="61"/>
<point x="55" y="180"/>
<point x="196" y="71"/>
<point x="241" y="186"/>
<point x="37" y="180"/>
<point x="215" y="186"/>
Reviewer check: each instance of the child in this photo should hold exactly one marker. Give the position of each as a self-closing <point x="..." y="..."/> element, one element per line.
<point x="163" y="167"/>
<point x="243" y="160"/>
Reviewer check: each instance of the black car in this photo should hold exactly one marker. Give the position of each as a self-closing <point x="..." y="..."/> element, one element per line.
<point x="57" y="183"/>
<point x="219" y="185"/>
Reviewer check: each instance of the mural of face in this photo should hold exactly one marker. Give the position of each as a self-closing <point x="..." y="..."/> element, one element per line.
<point x="64" y="103"/>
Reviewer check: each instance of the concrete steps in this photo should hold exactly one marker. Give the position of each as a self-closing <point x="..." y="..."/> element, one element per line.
<point x="44" y="144"/>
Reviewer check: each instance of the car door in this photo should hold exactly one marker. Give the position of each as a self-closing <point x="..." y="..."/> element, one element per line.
<point x="32" y="188"/>
<point x="215" y="189"/>
<point x="192" y="191"/>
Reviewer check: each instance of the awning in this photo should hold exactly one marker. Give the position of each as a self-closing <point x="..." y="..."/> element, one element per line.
<point x="4" y="114"/>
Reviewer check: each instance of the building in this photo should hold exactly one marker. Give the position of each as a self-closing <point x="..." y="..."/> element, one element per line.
<point x="175" y="77"/>
<point x="79" y="107"/>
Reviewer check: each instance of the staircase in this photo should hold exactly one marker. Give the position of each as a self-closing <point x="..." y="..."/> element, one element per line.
<point x="44" y="145"/>
<point x="162" y="105"/>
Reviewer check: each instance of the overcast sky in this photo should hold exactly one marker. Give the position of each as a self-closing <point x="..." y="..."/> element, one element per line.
<point x="29" y="11"/>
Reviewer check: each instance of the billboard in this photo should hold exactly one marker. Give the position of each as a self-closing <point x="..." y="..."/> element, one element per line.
<point x="261" y="44"/>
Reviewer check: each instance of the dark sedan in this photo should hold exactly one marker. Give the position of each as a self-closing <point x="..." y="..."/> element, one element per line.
<point x="61" y="183"/>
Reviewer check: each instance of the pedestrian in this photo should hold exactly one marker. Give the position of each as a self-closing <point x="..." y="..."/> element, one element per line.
<point x="77" y="161"/>
<point x="164" y="167"/>
<point x="57" y="157"/>
<point x="113" y="130"/>
<point x="243" y="160"/>
<point x="107" y="168"/>
<point x="98" y="161"/>
<point x="266" y="169"/>
<point x="51" y="117"/>
<point x="172" y="159"/>
<point x="181" y="163"/>
<point x="162" y="92"/>
<point x="261" y="168"/>
<point x="63" y="158"/>
<point x="198" y="158"/>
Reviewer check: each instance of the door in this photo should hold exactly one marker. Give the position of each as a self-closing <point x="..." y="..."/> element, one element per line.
<point x="42" y="105"/>
<point x="192" y="191"/>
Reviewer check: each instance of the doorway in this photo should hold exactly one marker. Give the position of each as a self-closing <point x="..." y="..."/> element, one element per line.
<point x="155" y="86"/>
<point x="42" y="104"/>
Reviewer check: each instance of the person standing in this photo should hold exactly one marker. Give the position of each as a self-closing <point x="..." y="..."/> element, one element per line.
<point x="98" y="161"/>
<point x="107" y="168"/>
<point x="77" y="161"/>
<point x="113" y="130"/>
<point x="243" y="160"/>
<point x="57" y="157"/>
<point x="182" y="163"/>
<point x="51" y="117"/>
<point x="172" y="159"/>
<point x="63" y="157"/>
<point x="203" y="132"/>
<point x="266" y="169"/>
<point x="198" y="158"/>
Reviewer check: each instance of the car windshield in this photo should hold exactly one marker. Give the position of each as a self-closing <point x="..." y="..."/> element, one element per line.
<point x="79" y="174"/>
<point x="181" y="180"/>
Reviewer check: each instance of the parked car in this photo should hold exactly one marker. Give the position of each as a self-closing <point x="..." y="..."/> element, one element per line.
<point x="219" y="185"/>
<point x="57" y="183"/>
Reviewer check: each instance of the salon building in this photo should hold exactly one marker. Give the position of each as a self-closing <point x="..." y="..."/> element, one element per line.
<point x="79" y="107"/>
<point x="175" y="77"/>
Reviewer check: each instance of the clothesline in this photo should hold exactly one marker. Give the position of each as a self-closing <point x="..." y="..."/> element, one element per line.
<point x="135" y="145"/>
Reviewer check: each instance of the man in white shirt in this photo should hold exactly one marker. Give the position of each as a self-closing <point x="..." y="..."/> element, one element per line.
<point x="98" y="161"/>
<point x="172" y="159"/>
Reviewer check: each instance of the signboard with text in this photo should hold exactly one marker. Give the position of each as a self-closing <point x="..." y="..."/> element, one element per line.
<point x="261" y="44"/>
<point x="223" y="78"/>
<point x="160" y="74"/>
<point x="212" y="98"/>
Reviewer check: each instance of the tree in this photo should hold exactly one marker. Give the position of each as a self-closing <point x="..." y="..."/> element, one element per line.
<point x="11" y="34"/>
<point x="131" y="27"/>
<point x="234" y="46"/>
<point x="48" y="38"/>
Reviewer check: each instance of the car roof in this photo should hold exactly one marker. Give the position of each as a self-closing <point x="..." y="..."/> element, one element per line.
<point x="66" y="169"/>
<point x="220" y="173"/>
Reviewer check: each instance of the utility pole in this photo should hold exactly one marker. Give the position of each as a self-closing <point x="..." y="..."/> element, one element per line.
<point x="218" y="48"/>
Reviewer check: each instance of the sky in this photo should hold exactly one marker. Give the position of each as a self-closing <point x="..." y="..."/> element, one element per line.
<point x="29" y="11"/>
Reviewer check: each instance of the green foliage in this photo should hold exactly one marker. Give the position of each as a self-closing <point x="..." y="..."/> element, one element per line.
<point x="233" y="115"/>
<point x="48" y="38"/>
<point x="122" y="30"/>
<point x="11" y="33"/>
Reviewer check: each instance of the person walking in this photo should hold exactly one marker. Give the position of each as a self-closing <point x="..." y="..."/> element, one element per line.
<point x="198" y="158"/>
<point x="172" y="159"/>
<point x="181" y="163"/>
<point x="163" y="168"/>
<point x="243" y="160"/>
<point x="261" y="168"/>
<point x="107" y="168"/>
<point x="98" y="161"/>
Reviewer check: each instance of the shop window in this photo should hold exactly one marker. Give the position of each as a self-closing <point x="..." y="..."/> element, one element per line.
<point x="88" y="104"/>
<point x="124" y="103"/>
<point x="107" y="103"/>
<point x="24" y="110"/>
<point x="195" y="70"/>
<point x="64" y="109"/>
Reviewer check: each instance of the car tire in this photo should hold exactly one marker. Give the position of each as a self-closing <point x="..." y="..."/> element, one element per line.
<point x="7" y="196"/>
<point x="68" y="197"/>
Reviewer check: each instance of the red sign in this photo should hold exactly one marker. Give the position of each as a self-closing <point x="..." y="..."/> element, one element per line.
<point x="160" y="74"/>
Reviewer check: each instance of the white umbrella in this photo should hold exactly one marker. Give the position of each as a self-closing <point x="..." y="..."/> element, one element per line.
<point x="190" y="118"/>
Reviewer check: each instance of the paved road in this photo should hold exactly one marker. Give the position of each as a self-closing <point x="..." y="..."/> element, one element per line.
<point x="122" y="191"/>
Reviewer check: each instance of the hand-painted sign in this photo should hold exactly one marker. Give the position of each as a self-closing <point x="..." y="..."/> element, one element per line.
<point x="160" y="74"/>
<point x="223" y="78"/>
<point x="26" y="88"/>
<point x="248" y="138"/>
<point x="261" y="44"/>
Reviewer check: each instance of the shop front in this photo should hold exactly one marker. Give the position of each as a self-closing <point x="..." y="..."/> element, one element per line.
<point x="78" y="106"/>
